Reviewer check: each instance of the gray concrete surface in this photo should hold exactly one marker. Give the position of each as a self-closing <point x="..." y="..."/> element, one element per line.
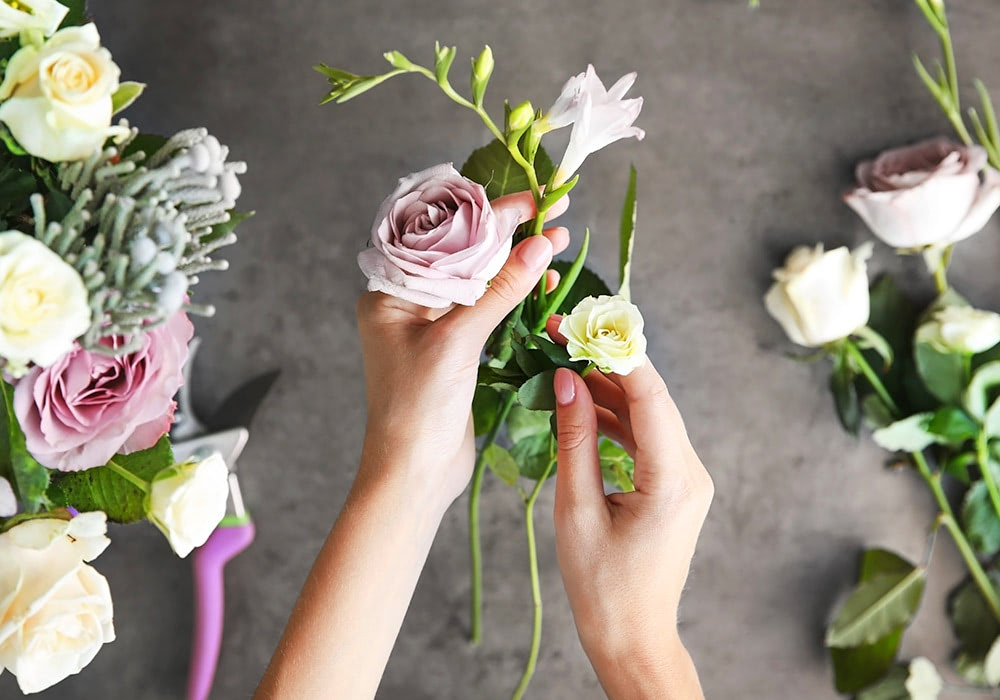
<point x="754" y="121"/>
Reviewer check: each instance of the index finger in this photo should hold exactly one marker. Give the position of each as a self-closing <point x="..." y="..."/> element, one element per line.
<point x="521" y="205"/>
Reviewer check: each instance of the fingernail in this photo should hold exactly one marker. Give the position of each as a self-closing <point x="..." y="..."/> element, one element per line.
<point x="536" y="252"/>
<point x="564" y="386"/>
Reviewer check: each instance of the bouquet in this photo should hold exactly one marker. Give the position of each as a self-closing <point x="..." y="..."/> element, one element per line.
<point x="437" y="241"/>
<point x="924" y="377"/>
<point x="104" y="233"/>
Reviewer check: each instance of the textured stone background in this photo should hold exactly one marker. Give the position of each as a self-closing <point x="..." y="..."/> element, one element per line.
<point x="753" y="121"/>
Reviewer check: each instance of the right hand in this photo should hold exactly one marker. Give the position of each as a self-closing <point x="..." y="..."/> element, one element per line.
<point x="625" y="557"/>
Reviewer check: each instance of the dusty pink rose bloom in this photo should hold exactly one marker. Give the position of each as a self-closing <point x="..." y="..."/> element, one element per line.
<point x="437" y="241"/>
<point x="85" y="408"/>
<point x="927" y="194"/>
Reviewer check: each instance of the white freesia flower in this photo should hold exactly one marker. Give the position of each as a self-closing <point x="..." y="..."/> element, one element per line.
<point x="55" y="610"/>
<point x="961" y="329"/>
<point x="606" y="330"/>
<point x="30" y="15"/>
<point x="187" y="501"/>
<point x="819" y="297"/>
<point x="43" y="303"/>
<point x="924" y="682"/>
<point x="57" y="96"/>
<point x="599" y="117"/>
<point x="8" y="503"/>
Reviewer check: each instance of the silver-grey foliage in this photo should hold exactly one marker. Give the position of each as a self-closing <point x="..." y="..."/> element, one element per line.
<point x="140" y="230"/>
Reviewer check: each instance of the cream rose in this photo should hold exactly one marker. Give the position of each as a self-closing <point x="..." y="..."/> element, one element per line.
<point x="55" y="610"/>
<point x="927" y="194"/>
<point x="961" y="329"/>
<point x="605" y="330"/>
<point x="57" y="97"/>
<point x="30" y="15"/>
<point x="187" y="501"/>
<point x="43" y="303"/>
<point x="820" y="297"/>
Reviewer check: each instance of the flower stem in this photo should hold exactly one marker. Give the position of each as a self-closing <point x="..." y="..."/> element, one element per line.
<point x="947" y="518"/>
<point x="983" y="458"/>
<point x="872" y="377"/>
<point x="536" y="590"/>
<point x="475" y="544"/>
<point x="124" y="473"/>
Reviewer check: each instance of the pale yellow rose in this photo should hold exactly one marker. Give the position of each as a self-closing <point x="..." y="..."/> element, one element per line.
<point x="606" y="330"/>
<point x="55" y="610"/>
<point x="18" y="16"/>
<point x="57" y="96"/>
<point x="961" y="329"/>
<point x="187" y="501"/>
<point x="43" y="303"/>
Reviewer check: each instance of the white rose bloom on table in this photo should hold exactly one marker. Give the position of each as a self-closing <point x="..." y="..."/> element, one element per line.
<point x="43" y="303"/>
<point x="819" y="297"/>
<point x="188" y="500"/>
<point x="961" y="329"/>
<point x="30" y="15"/>
<point x="606" y="330"/>
<point x="57" y="96"/>
<point x="55" y="610"/>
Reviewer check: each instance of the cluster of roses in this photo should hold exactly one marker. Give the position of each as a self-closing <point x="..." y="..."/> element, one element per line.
<point x="70" y="406"/>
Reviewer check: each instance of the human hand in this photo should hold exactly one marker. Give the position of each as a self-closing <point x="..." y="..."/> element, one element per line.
<point x="421" y="364"/>
<point x="625" y="557"/>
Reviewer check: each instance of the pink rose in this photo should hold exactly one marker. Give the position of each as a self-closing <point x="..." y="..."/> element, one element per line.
<point x="437" y="241"/>
<point x="85" y="408"/>
<point x="928" y="194"/>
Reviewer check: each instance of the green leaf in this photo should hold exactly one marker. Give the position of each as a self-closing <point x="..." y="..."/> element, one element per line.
<point x="533" y="454"/>
<point x="29" y="478"/>
<point x="499" y="345"/>
<point x="875" y="562"/>
<point x="531" y="362"/>
<point x="869" y="339"/>
<point x="537" y="393"/>
<point x="500" y="378"/>
<point x="876" y="608"/>
<point x="958" y="465"/>
<point x="626" y="236"/>
<point x="981" y="523"/>
<point x="557" y="354"/>
<point x="127" y="93"/>
<point x="493" y="167"/>
<point x="942" y="373"/>
<point x="101" y="488"/>
<point x="16" y="186"/>
<point x="875" y="412"/>
<point x="588" y="284"/>
<point x="617" y="466"/>
<point x="8" y="138"/>
<point x="980" y="393"/>
<point x="894" y="318"/>
<point x="147" y="143"/>
<point x="485" y="407"/>
<point x="845" y="395"/>
<point x="974" y="625"/>
<point x="907" y="435"/>
<point x="501" y="463"/>
<point x="858" y="667"/>
<point x="891" y="687"/>
<point x="523" y="423"/>
<point x="952" y="425"/>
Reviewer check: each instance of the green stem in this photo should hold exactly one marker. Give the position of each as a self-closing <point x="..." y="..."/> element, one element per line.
<point x="947" y="518"/>
<point x="941" y="274"/>
<point x="124" y="473"/>
<point x="872" y="377"/>
<point x="983" y="458"/>
<point x="475" y="545"/>
<point x="536" y="590"/>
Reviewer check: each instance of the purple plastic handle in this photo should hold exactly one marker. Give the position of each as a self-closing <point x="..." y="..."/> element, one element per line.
<point x="209" y="559"/>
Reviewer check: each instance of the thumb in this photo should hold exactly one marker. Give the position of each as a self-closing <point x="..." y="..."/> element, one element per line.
<point x="578" y="479"/>
<point x="525" y="266"/>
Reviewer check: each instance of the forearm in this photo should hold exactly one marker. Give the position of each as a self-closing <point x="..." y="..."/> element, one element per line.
<point x="661" y="672"/>
<point x="348" y="615"/>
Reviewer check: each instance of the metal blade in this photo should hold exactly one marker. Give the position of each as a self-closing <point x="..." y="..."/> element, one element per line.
<point x="239" y="407"/>
<point x="228" y="443"/>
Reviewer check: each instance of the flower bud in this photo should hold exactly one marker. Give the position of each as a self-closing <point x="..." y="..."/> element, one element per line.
<point x="521" y="117"/>
<point x="482" y="69"/>
<point x="961" y="329"/>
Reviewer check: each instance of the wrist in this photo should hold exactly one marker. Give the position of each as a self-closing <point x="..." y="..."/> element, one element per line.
<point x="645" y="670"/>
<point x="402" y="475"/>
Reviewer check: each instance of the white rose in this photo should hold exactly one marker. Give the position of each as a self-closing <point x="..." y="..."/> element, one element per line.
<point x="607" y="331"/>
<point x="820" y="297"/>
<point x="923" y="682"/>
<point x="55" y="610"/>
<point x="188" y="500"/>
<point x="57" y="96"/>
<point x="8" y="503"/>
<point x="27" y="15"/>
<point x="961" y="329"/>
<point x="43" y="303"/>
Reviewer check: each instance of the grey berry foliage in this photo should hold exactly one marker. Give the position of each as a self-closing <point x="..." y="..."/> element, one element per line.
<point x="141" y="229"/>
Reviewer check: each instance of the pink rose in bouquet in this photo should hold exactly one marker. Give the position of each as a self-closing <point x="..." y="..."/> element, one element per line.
<point x="86" y="407"/>
<point x="437" y="240"/>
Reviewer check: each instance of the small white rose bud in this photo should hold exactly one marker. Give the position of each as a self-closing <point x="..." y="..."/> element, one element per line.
<point x="961" y="329"/>
<point x="187" y="501"/>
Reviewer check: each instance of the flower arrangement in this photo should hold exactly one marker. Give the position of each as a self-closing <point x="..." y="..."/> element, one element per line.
<point x="923" y="379"/>
<point x="443" y="234"/>
<point x="104" y="233"/>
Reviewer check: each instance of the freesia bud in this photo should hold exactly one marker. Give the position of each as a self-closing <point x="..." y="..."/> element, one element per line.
<point x="521" y="117"/>
<point x="482" y="69"/>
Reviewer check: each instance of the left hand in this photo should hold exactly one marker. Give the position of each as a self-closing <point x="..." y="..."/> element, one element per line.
<point x="421" y="364"/>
